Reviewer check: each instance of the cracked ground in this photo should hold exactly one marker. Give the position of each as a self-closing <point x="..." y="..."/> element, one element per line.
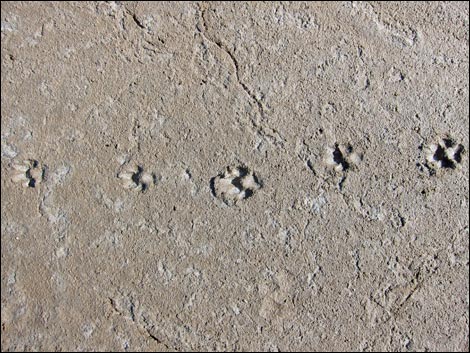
<point x="330" y="128"/>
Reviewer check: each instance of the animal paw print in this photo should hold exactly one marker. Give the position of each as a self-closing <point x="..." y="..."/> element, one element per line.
<point x="234" y="184"/>
<point x="135" y="178"/>
<point x="445" y="154"/>
<point x="341" y="157"/>
<point x="29" y="173"/>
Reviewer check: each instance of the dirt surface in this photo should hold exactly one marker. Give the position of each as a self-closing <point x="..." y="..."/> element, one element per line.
<point x="234" y="176"/>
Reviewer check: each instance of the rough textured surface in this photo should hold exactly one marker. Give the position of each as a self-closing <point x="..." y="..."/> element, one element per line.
<point x="116" y="116"/>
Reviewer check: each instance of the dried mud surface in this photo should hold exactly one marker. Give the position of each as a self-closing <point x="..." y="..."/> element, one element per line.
<point x="234" y="176"/>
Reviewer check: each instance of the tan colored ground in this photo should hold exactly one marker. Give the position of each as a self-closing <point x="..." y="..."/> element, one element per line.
<point x="234" y="176"/>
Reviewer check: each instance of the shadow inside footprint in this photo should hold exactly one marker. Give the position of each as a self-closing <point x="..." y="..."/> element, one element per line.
<point x="441" y="156"/>
<point x="447" y="154"/>
<point x="338" y="158"/>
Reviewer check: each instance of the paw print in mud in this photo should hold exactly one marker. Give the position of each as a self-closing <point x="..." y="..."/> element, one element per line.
<point x="445" y="154"/>
<point x="342" y="157"/>
<point x="29" y="173"/>
<point x="135" y="178"/>
<point x="234" y="184"/>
